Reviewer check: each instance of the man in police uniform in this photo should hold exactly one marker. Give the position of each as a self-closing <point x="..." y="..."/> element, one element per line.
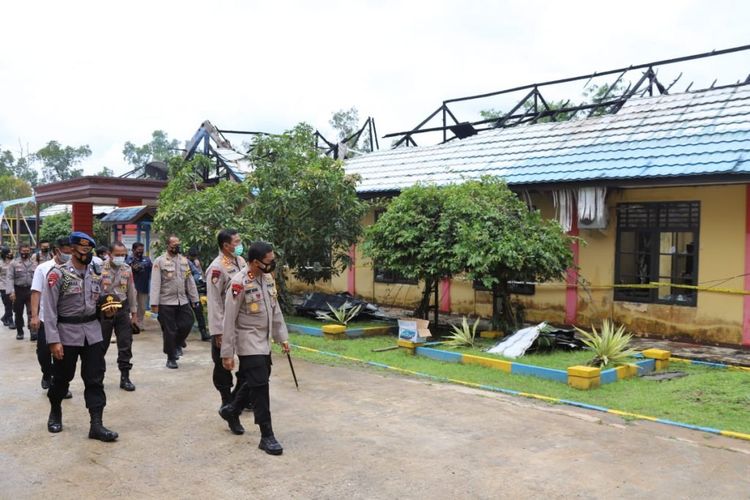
<point x="44" y="254"/>
<point x="252" y="316"/>
<point x="219" y="273"/>
<point x="20" y="276"/>
<point x="173" y="293"/>
<point x="73" y="331"/>
<point x="117" y="283"/>
<point x="5" y="260"/>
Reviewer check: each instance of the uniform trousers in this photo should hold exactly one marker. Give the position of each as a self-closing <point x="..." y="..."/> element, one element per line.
<point x="176" y="323"/>
<point x="199" y="317"/>
<point x="8" y="316"/>
<point x="255" y="372"/>
<point x="23" y="299"/>
<point x="42" y="352"/>
<point x="121" y="325"/>
<point x="93" y="367"/>
<point x="221" y="376"/>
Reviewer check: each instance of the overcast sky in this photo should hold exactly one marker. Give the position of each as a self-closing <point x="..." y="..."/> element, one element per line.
<point x="102" y="73"/>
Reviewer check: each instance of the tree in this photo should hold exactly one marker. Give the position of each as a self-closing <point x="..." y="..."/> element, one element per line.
<point x="161" y="148"/>
<point x="55" y="226"/>
<point x="196" y="215"/>
<point x="19" y="167"/>
<point x="106" y="172"/>
<point x="498" y="239"/>
<point x="12" y="188"/>
<point x="346" y="122"/>
<point x="304" y="204"/>
<point x="58" y="162"/>
<point x="414" y="238"/>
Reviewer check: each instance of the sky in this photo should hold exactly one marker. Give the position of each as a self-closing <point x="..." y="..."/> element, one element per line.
<point x="103" y="73"/>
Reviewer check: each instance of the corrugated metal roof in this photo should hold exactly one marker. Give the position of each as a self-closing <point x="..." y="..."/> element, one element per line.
<point x="679" y="135"/>
<point x="126" y="215"/>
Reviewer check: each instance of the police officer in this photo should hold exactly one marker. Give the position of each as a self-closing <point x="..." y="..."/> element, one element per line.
<point x="173" y="295"/>
<point x="223" y="268"/>
<point x="117" y="280"/>
<point x="6" y="257"/>
<point x="20" y="276"/>
<point x="44" y="254"/>
<point x="61" y="253"/>
<point x="252" y="316"/>
<point x="73" y="331"/>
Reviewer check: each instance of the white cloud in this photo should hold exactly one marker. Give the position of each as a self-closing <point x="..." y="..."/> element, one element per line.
<point x="102" y="73"/>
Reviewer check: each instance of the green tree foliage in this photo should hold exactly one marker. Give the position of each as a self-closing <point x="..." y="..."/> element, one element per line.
<point x="17" y="166"/>
<point x="415" y="239"/>
<point x="196" y="215"/>
<point x="160" y="148"/>
<point x="106" y="172"/>
<point x="58" y="161"/>
<point x="12" y="188"/>
<point x="304" y="204"/>
<point x="480" y="228"/>
<point x="498" y="239"/>
<point x="346" y="122"/>
<point x="55" y="226"/>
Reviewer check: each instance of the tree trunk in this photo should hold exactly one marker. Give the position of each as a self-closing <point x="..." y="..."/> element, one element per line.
<point x="503" y="312"/>
<point x="423" y="309"/>
<point x="285" y="298"/>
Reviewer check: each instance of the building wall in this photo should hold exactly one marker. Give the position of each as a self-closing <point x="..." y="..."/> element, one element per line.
<point x="717" y="318"/>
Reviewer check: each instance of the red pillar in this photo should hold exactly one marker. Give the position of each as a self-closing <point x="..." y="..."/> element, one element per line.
<point x="445" y="298"/>
<point x="83" y="217"/>
<point x="352" y="276"/>
<point x="571" y="282"/>
<point x="746" y="298"/>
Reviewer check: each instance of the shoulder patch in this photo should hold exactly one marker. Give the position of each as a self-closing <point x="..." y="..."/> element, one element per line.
<point x="215" y="275"/>
<point x="52" y="279"/>
<point x="236" y="289"/>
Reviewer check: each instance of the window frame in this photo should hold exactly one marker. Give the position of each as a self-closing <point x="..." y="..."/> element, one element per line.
<point x="656" y="230"/>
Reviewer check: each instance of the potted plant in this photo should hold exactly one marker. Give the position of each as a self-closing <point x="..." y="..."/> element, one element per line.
<point x="339" y="319"/>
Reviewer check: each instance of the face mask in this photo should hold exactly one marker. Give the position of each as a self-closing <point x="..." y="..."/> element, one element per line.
<point x="64" y="257"/>
<point x="175" y="249"/>
<point x="239" y="250"/>
<point x="25" y="256"/>
<point x="268" y="268"/>
<point x="45" y="250"/>
<point x="85" y="259"/>
<point x="118" y="261"/>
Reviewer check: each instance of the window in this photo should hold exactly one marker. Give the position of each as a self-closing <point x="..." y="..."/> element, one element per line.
<point x="387" y="276"/>
<point x="657" y="243"/>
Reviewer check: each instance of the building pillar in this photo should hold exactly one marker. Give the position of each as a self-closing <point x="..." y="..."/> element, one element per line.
<point x="445" y="292"/>
<point x="352" y="273"/>
<point x="83" y="217"/>
<point x="571" y="281"/>
<point x="746" y="298"/>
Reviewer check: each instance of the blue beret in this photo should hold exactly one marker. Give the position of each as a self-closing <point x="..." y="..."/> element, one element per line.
<point x="83" y="239"/>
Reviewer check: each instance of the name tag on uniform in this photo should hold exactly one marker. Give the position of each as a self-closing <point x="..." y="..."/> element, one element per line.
<point x="75" y="289"/>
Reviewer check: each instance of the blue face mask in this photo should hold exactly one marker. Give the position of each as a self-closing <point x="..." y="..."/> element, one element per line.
<point x="239" y="250"/>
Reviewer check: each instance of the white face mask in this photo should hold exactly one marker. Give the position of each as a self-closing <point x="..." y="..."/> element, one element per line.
<point x="64" y="257"/>
<point x="118" y="261"/>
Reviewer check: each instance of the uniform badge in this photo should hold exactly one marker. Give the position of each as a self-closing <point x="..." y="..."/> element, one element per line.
<point x="236" y="289"/>
<point x="169" y="275"/>
<point x="215" y="275"/>
<point x="52" y="279"/>
<point x="254" y="307"/>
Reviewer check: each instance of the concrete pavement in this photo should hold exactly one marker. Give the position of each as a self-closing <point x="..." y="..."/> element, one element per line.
<point x="349" y="433"/>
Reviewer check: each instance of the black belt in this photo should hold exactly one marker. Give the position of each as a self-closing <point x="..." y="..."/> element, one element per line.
<point x="76" y="320"/>
<point x="22" y="286"/>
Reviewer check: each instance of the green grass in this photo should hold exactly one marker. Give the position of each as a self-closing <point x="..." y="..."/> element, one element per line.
<point x="707" y="397"/>
<point x="560" y="360"/>
<point x="306" y="321"/>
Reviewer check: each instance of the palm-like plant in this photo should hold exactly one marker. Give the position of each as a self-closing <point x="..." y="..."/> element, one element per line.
<point x="462" y="336"/>
<point x="341" y="315"/>
<point x="610" y="347"/>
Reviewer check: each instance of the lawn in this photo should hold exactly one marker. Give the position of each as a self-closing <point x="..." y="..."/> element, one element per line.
<point x="706" y="397"/>
<point x="307" y="321"/>
<point x="560" y="360"/>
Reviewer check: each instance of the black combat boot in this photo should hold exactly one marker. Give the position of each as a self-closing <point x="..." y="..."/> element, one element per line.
<point x="205" y="337"/>
<point x="125" y="382"/>
<point x="268" y="442"/>
<point x="45" y="382"/>
<point x="172" y="363"/>
<point x="97" y="429"/>
<point x="178" y="352"/>
<point x="54" y="422"/>
<point x="19" y="334"/>
<point x="33" y="337"/>
<point x="11" y="325"/>
<point x="232" y="416"/>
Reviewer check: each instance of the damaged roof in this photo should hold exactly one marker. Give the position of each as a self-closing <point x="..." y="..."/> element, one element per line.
<point x="666" y="136"/>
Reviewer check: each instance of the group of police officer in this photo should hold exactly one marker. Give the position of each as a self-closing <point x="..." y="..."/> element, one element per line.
<point x="74" y="306"/>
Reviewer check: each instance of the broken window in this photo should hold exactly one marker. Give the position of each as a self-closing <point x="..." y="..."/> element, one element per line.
<point x="657" y="243"/>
